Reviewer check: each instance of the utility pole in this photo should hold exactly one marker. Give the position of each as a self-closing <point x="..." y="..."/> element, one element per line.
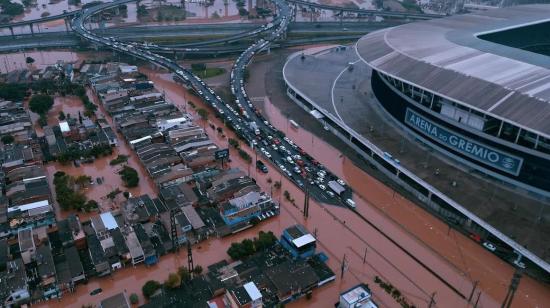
<point x="432" y="301"/>
<point x="174" y="230"/>
<point x="514" y="283"/>
<point x="306" y="202"/>
<point x="190" y="265"/>
<point x="343" y="267"/>
<point x="473" y="289"/>
<point x="477" y="300"/>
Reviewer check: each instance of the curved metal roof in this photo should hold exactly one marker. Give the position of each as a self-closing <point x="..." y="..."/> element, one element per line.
<point x="445" y="56"/>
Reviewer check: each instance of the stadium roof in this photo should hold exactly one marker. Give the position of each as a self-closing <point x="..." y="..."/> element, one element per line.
<point x="446" y="57"/>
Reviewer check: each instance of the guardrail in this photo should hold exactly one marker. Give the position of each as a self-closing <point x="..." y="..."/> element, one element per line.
<point x="365" y="11"/>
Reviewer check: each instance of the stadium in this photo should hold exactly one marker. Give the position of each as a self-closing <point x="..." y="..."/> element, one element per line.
<point x="454" y="110"/>
<point x="474" y="86"/>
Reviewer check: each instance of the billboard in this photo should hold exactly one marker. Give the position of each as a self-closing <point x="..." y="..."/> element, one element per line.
<point x="466" y="146"/>
<point x="220" y="154"/>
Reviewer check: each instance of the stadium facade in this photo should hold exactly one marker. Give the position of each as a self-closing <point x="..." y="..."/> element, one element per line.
<point x="483" y="103"/>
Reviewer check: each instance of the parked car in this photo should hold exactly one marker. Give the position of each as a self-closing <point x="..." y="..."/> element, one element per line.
<point x="261" y="166"/>
<point x="489" y="246"/>
<point x="519" y="264"/>
<point x="96" y="291"/>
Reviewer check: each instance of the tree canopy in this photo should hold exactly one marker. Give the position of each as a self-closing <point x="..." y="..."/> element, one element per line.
<point x="203" y="113"/>
<point x="7" y="139"/>
<point x="173" y="281"/>
<point x="130" y="176"/>
<point x="248" y="247"/>
<point x="150" y="287"/>
<point x="12" y="92"/>
<point x="41" y="103"/>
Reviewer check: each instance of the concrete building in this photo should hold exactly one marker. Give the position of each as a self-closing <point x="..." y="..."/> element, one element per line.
<point x="245" y="296"/>
<point x="357" y="297"/>
<point x="298" y="241"/>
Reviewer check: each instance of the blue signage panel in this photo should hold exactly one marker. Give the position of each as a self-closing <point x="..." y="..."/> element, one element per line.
<point x="473" y="149"/>
<point x="221" y="154"/>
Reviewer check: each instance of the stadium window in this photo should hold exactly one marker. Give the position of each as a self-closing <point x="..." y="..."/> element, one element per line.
<point x="491" y="126"/>
<point x="509" y="132"/>
<point x="527" y="138"/>
<point x="543" y="145"/>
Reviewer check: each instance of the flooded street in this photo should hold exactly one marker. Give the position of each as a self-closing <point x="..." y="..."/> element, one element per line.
<point x="100" y="168"/>
<point x="218" y="11"/>
<point x="339" y="231"/>
<point x="42" y="59"/>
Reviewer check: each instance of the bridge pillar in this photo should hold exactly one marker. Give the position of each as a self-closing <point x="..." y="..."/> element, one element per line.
<point x="312" y="10"/>
<point x="32" y="30"/>
<point x="295" y="11"/>
<point x="341" y="17"/>
<point x="11" y="30"/>
<point x="175" y="55"/>
<point x="66" y="24"/>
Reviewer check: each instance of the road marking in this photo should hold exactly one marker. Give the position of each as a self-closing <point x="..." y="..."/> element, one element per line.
<point x="332" y="91"/>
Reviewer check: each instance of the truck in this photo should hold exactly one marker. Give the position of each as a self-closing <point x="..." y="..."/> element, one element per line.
<point x="254" y="127"/>
<point x="337" y="188"/>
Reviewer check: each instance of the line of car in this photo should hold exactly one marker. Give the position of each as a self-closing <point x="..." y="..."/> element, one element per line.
<point x="261" y="134"/>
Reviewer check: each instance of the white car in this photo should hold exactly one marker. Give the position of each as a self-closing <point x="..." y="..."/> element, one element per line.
<point x="519" y="264"/>
<point x="489" y="246"/>
<point x="323" y="187"/>
<point x="330" y="193"/>
<point x="341" y="182"/>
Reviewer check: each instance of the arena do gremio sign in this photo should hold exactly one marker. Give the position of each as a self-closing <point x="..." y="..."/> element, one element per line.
<point x="485" y="154"/>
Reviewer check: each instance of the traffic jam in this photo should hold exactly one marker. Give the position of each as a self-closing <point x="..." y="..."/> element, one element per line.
<point x="242" y="116"/>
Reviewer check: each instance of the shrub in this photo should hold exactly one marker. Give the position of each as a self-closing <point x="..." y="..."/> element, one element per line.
<point x="150" y="287"/>
<point x="134" y="299"/>
<point x="173" y="281"/>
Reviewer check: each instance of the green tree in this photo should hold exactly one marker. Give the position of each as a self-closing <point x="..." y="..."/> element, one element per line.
<point x="90" y="205"/>
<point x="11" y="9"/>
<point x="198" y="67"/>
<point x="29" y="60"/>
<point x="12" y="92"/>
<point x="173" y="281"/>
<point x="198" y="270"/>
<point x="61" y="116"/>
<point x="149" y="288"/>
<point x="130" y="176"/>
<point x="41" y="103"/>
<point x="184" y="273"/>
<point x="82" y="180"/>
<point x="7" y="139"/>
<point x="134" y="299"/>
<point x="126" y="195"/>
<point x="203" y="113"/>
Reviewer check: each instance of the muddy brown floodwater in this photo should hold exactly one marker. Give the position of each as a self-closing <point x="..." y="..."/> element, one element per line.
<point x="100" y="168"/>
<point x="13" y="61"/>
<point x="340" y="232"/>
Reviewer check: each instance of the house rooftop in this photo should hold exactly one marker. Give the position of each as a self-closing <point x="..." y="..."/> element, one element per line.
<point x="116" y="301"/>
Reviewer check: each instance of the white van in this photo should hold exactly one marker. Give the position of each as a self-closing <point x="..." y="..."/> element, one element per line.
<point x="351" y="203"/>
